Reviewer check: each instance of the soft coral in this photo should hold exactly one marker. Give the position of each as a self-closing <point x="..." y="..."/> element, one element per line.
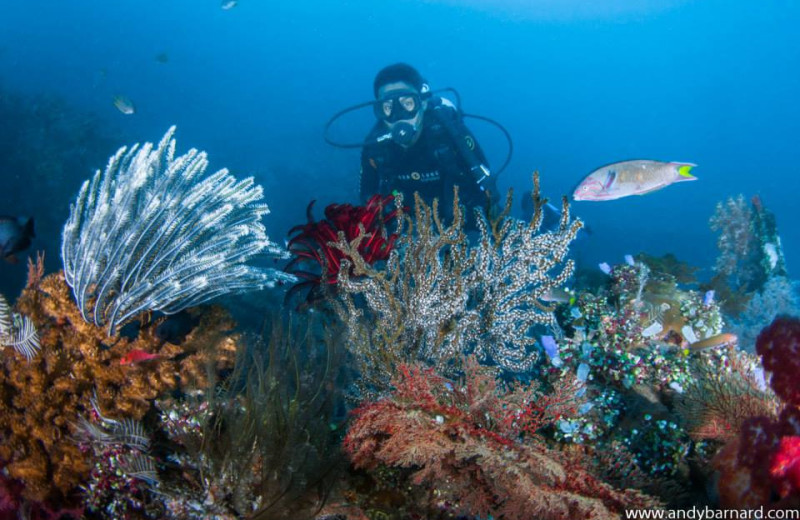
<point x="767" y="448"/>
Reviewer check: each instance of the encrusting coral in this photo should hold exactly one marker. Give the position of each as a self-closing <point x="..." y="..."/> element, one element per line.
<point x="41" y="401"/>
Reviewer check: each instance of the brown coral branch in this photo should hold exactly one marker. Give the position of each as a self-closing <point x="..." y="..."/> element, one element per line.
<point x="35" y="270"/>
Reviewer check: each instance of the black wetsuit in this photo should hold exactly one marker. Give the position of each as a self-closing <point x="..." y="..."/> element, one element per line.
<point x="431" y="166"/>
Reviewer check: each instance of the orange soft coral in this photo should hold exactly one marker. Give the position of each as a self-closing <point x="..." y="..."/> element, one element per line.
<point x="42" y="400"/>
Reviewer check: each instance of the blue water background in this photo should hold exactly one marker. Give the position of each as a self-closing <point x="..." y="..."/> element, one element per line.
<point x="578" y="85"/>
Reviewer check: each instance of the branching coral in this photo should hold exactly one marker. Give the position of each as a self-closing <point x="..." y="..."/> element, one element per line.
<point x="737" y="241"/>
<point x="456" y="440"/>
<point x="150" y="233"/>
<point x="439" y="297"/>
<point x="41" y="401"/>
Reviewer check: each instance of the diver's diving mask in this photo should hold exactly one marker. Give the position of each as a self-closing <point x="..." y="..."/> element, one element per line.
<point x="398" y="106"/>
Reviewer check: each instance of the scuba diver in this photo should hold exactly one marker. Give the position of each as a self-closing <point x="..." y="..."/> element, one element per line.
<point x="430" y="148"/>
<point x="421" y="144"/>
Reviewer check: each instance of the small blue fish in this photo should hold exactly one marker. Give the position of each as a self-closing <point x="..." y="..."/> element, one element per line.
<point x="550" y="346"/>
<point x="629" y="260"/>
<point x="708" y="298"/>
<point x="15" y="236"/>
<point x="604" y="267"/>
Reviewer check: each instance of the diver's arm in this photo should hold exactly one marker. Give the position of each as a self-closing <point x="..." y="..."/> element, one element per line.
<point x="489" y="183"/>
<point x="477" y="180"/>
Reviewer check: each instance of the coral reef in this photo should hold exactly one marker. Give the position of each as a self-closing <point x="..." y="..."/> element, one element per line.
<point x="668" y="264"/>
<point x="639" y="328"/>
<point x="256" y="445"/>
<point x="716" y="403"/>
<point x="460" y="441"/>
<point x="440" y="297"/>
<point x="641" y="343"/>
<point x="152" y="233"/>
<point x="41" y="401"/>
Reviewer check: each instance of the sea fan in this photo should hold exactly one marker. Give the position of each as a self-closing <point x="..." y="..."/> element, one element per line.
<point x="18" y="331"/>
<point x="149" y="233"/>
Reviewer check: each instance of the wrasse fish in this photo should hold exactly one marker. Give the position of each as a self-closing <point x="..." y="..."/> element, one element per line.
<point x="137" y="356"/>
<point x="725" y="339"/>
<point x="626" y="178"/>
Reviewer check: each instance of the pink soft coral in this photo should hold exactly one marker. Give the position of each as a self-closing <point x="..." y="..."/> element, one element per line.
<point x="785" y="468"/>
<point x="768" y="448"/>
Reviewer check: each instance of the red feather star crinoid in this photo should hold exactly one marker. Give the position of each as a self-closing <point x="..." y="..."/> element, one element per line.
<point x="313" y="242"/>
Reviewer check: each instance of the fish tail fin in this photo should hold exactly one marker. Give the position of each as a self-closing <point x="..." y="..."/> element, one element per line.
<point x="684" y="171"/>
<point x="28" y="227"/>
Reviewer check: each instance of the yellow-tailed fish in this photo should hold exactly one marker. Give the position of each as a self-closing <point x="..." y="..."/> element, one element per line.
<point x="626" y="178"/>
